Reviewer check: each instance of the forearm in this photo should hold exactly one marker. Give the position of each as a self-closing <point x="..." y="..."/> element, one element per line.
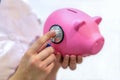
<point x="16" y="77"/>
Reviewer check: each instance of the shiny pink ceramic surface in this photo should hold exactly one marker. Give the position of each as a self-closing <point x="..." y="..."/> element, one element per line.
<point x="81" y="35"/>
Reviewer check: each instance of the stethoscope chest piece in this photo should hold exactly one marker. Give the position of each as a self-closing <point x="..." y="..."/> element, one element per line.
<point x="59" y="34"/>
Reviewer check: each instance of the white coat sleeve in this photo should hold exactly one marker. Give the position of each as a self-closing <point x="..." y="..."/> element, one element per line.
<point x="11" y="52"/>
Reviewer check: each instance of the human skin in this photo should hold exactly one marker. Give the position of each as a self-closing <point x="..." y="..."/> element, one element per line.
<point x="41" y="63"/>
<point x="38" y="62"/>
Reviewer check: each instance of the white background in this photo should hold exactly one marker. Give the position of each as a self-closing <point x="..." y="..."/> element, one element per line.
<point x="106" y="64"/>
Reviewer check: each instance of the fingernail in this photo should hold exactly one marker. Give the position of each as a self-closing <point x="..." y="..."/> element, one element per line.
<point x="52" y="32"/>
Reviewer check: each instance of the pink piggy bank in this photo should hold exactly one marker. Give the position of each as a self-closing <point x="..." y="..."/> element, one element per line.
<point x="76" y="32"/>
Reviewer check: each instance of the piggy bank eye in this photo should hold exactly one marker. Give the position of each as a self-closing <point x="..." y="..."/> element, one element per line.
<point x="59" y="34"/>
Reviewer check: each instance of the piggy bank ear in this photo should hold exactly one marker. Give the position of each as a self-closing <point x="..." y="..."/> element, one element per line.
<point x="78" y="24"/>
<point x="97" y="19"/>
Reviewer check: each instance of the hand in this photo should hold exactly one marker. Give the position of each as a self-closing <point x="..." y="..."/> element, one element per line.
<point x="71" y="61"/>
<point x="38" y="61"/>
<point x="52" y="75"/>
<point x="66" y="61"/>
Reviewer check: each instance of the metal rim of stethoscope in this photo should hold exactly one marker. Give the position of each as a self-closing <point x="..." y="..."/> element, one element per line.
<point x="53" y="27"/>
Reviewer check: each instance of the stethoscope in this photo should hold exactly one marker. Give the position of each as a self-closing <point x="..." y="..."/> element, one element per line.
<point x="59" y="34"/>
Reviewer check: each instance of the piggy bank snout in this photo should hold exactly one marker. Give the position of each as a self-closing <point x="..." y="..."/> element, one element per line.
<point x="97" y="45"/>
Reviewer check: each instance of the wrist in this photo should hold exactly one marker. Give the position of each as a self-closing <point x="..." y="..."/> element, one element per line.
<point x="18" y="76"/>
<point x="51" y="77"/>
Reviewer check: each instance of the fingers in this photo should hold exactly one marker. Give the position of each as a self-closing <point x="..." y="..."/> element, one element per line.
<point x="46" y="56"/>
<point x="65" y="62"/>
<point x="39" y="43"/>
<point x="79" y="59"/>
<point x="45" y="53"/>
<point x="42" y="47"/>
<point x="72" y="62"/>
<point x="50" y="67"/>
<point x="49" y="59"/>
<point x="58" y="57"/>
<point x="48" y="63"/>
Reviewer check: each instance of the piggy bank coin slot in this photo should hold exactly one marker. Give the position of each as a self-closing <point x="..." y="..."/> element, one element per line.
<point x="59" y="34"/>
<point x="71" y="10"/>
